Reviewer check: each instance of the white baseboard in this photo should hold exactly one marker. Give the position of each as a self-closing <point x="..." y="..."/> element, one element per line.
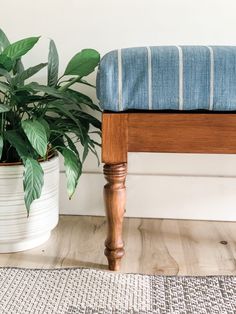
<point x="158" y="196"/>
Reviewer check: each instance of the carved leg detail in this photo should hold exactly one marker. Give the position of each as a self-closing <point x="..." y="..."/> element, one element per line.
<point x="115" y="197"/>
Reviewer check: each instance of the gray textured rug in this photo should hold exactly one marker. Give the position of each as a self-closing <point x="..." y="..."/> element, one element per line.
<point x="89" y="291"/>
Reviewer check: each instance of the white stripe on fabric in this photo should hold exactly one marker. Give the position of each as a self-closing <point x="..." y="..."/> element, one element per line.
<point x="149" y="78"/>
<point x="211" y="77"/>
<point x="181" y="102"/>
<point x="120" y="80"/>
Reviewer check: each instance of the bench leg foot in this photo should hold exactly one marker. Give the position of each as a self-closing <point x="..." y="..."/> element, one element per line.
<point x="115" y="197"/>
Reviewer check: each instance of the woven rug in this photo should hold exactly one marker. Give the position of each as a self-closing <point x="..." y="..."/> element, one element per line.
<point x="89" y="291"/>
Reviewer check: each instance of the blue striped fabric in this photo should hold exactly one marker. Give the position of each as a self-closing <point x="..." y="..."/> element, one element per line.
<point x="168" y="78"/>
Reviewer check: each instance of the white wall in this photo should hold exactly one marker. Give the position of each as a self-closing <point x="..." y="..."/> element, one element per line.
<point x="160" y="185"/>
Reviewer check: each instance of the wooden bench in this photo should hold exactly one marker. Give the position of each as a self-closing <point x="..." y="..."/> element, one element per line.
<point x="161" y="99"/>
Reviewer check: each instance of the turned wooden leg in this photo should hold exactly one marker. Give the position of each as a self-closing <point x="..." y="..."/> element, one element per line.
<point x="114" y="197"/>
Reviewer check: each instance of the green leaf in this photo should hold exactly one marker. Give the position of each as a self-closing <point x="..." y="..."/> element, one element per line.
<point x="71" y="145"/>
<point x="16" y="140"/>
<point x="83" y="63"/>
<point x="73" y="169"/>
<point x="6" y="74"/>
<point x="46" y="126"/>
<point x="20" y="78"/>
<point x="59" y="107"/>
<point x="4" y="42"/>
<point x="1" y="146"/>
<point x="53" y="64"/>
<point x="45" y="89"/>
<point x="4" y="87"/>
<point x="18" y="67"/>
<point x="37" y="135"/>
<point x="81" y="98"/>
<point x="96" y="143"/>
<point x="86" y="83"/>
<point x="93" y="149"/>
<point x="83" y="115"/>
<point x="4" y="108"/>
<point x="56" y="139"/>
<point x="86" y="150"/>
<point x="20" y="48"/>
<point x="6" y="62"/>
<point x="33" y="181"/>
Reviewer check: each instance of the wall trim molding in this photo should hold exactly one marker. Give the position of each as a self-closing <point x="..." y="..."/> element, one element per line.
<point x="207" y="197"/>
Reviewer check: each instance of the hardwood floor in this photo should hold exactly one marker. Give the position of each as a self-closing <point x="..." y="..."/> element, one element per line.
<point x="153" y="246"/>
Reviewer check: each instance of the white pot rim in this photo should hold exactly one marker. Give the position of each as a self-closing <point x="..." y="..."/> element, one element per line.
<point x="18" y="170"/>
<point x="20" y="164"/>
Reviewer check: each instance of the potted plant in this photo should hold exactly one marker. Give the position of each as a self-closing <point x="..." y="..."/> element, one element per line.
<point x="38" y="122"/>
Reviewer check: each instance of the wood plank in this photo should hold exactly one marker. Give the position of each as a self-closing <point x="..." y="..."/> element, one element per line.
<point x="114" y="138"/>
<point x="182" y="132"/>
<point x="153" y="246"/>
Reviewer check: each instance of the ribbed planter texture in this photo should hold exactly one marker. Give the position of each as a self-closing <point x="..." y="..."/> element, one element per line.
<point x="17" y="232"/>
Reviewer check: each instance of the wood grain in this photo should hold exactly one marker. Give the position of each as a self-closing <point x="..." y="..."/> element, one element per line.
<point x="114" y="138"/>
<point x="153" y="246"/>
<point x="115" y="199"/>
<point x="182" y="132"/>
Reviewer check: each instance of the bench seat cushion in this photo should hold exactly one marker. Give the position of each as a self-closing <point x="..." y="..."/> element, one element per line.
<point x="168" y="78"/>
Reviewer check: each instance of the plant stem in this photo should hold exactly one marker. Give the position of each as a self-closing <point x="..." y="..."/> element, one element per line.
<point x="60" y="78"/>
<point x="64" y="87"/>
<point x="3" y="124"/>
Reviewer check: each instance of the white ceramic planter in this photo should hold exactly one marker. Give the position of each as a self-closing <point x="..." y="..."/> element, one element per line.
<point x="17" y="232"/>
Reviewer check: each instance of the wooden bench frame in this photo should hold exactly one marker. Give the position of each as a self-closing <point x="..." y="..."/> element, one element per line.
<point x="153" y="132"/>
